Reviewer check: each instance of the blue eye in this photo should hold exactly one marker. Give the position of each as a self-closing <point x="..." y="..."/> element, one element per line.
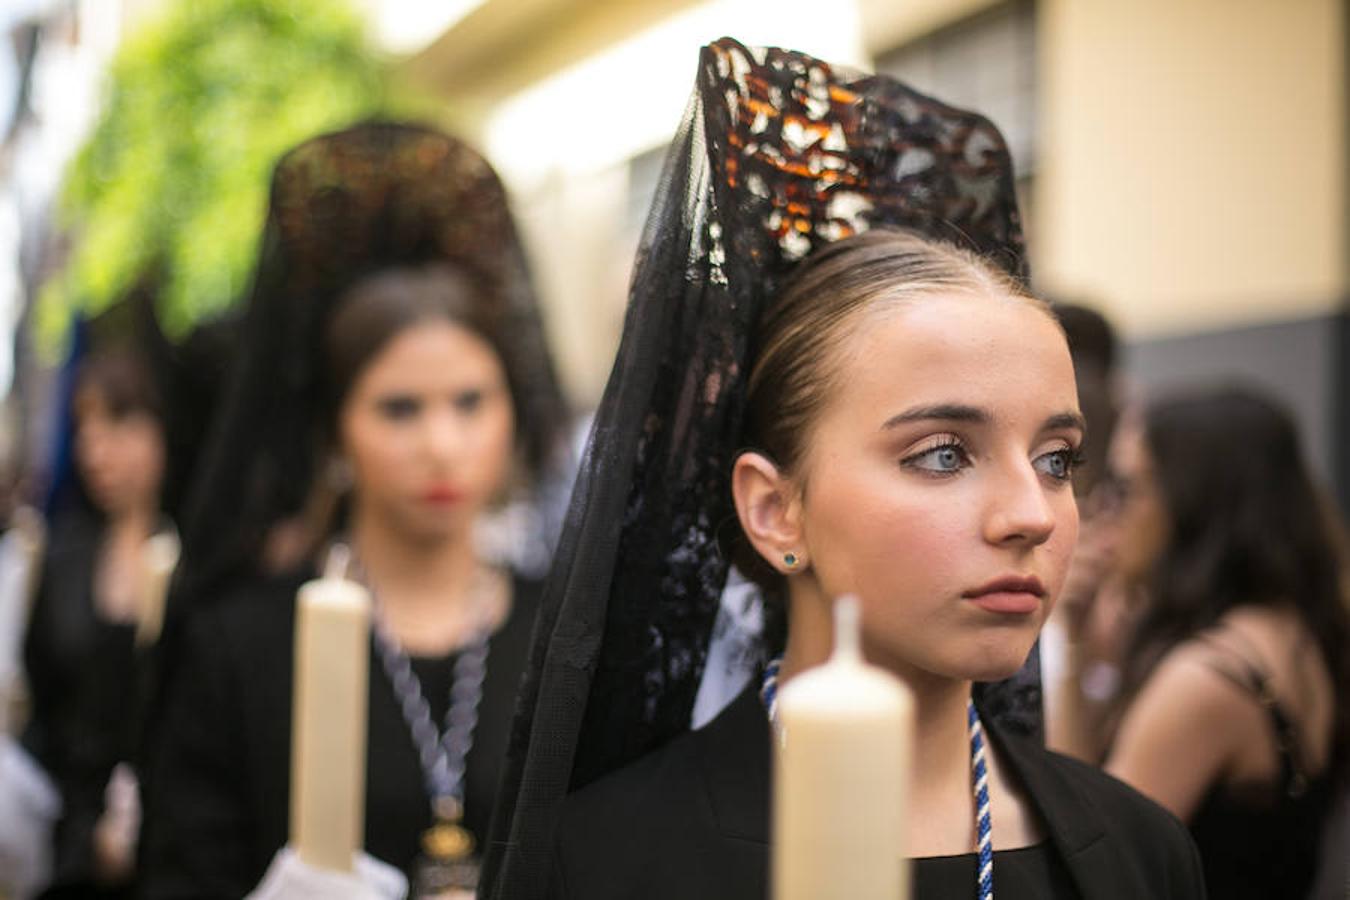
<point x="399" y="407"/>
<point x="1059" y="464"/>
<point x="944" y="459"/>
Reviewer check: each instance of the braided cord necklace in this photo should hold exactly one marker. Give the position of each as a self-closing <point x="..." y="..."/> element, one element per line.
<point x="449" y="860"/>
<point x="979" y="777"/>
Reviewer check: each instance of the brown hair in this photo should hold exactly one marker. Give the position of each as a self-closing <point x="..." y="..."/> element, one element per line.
<point x="367" y="316"/>
<point x="377" y="308"/>
<point x="123" y="380"/>
<point x="796" y="359"/>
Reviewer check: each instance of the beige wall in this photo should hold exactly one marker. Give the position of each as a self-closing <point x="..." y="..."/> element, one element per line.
<point x="1192" y="159"/>
<point x="888" y="24"/>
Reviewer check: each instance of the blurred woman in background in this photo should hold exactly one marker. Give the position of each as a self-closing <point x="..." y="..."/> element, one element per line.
<point x="95" y="595"/>
<point x="1234" y="711"/>
<point x="396" y="389"/>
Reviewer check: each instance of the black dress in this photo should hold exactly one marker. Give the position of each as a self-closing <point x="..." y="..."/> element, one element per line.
<point x="1263" y="840"/>
<point x="82" y="673"/>
<point x="217" y="805"/>
<point x="692" y="820"/>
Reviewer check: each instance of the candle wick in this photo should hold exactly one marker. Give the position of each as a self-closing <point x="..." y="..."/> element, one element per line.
<point x="847" y="630"/>
<point x="338" y="562"/>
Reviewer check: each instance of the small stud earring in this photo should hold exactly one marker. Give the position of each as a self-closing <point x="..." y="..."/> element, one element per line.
<point x="790" y="560"/>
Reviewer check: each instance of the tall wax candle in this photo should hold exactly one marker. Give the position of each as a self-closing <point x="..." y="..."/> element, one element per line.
<point x="159" y="557"/>
<point x="841" y="777"/>
<point x="328" y="736"/>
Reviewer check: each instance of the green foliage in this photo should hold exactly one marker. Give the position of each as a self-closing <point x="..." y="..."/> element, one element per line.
<point x="174" y="177"/>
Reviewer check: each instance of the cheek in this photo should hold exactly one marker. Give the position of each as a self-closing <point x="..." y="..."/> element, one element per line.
<point x="878" y="535"/>
<point x="375" y="449"/>
<point x="496" y="447"/>
<point x="1060" y="547"/>
<point x="146" y="452"/>
<point x="1139" y="535"/>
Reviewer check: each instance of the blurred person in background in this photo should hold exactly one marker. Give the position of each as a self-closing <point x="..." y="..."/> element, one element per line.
<point x="98" y="598"/>
<point x="1091" y="592"/>
<point x="1234" y="707"/>
<point x="394" y="389"/>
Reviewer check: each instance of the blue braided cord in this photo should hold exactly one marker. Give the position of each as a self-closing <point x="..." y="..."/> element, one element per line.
<point x="768" y="689"/>
<point x="984" y="826"/>
<point x="979" y="771"/>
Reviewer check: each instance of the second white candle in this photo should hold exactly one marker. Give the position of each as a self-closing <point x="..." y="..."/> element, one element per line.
<point x="842" y="771"/>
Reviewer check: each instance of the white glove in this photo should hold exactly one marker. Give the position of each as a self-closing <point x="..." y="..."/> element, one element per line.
<point x="288" y="878"/>
<point x="29" y="806"/>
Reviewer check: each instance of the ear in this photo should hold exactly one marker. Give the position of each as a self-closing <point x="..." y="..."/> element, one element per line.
<point x="769" y="508"/>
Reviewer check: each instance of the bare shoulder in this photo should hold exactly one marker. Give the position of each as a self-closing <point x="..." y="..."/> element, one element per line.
<point x="1184" y="730"/>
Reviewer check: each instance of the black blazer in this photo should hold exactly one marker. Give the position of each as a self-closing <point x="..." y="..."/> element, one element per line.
<point x="692" y="820"/>
<point x="218" y="786"/>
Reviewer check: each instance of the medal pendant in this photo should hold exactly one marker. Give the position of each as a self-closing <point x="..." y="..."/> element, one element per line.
<point x="448" y="867"/>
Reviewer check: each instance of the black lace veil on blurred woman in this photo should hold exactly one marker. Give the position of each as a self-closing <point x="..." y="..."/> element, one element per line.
<point x="778" y="155"/>
<point x="384" y="196"/>
<point x="383" y="242"/>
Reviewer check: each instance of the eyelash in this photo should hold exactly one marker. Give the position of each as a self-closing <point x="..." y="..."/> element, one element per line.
<point x="945" y="442"/>
<point x="469" y="401"/>
<point x="399" y="407"/>
<point x="1073" y="458"/>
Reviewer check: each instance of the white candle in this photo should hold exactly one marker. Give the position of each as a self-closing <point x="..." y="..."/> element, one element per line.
<point x="328" y="737"/>
<point x="841" y="777"/>
<point x="159" y="557"/>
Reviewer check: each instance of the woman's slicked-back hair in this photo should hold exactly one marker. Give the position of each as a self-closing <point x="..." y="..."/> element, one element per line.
<point x="800" y="330"/>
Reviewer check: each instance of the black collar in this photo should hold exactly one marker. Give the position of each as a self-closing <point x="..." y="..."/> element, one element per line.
<point x="737" y="762"/>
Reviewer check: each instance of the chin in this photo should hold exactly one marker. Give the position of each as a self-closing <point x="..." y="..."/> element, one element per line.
<point x="994" y="662"/>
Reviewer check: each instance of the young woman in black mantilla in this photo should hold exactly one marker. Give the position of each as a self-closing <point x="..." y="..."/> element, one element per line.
<point x="846" y="408"/>
<point x="395" y="387"/>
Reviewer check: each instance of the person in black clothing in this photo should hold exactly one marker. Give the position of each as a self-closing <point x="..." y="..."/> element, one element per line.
<point x="396" y="387"/>
<point x="1233" y="712"/>
<point x="832" y="372"/>
<point x="80" y="649"/>
<point x="129" y="441"/>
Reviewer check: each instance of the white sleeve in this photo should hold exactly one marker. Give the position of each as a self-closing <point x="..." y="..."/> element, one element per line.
<point x="288" y="878"/>
<point x="29" y="806"/>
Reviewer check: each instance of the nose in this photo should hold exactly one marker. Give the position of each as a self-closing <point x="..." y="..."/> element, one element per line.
<point x="93" y="447"/>
<point x="1018" y="510"/>
<point x="443" y="436"/>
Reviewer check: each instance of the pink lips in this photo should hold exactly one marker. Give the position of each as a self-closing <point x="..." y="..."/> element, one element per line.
<point x="442" y="495"/>
<point x="1011" y="595"/>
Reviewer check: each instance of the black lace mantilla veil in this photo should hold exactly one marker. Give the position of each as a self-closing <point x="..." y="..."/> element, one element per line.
<point x="343" y="206"/>
<point x="778" y="154"/>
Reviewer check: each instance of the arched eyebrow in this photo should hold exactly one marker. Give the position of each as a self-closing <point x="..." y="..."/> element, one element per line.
<point x="974" y="415"/>
<point x="1065" y="420"/>
<point x="941" y="412"/>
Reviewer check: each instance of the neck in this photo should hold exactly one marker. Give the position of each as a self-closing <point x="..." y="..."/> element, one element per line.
<point x="941" y="751"/>
<point x="941" y="796"/>
<point x="134" y="522"/>
<point x="410" y="573"/>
